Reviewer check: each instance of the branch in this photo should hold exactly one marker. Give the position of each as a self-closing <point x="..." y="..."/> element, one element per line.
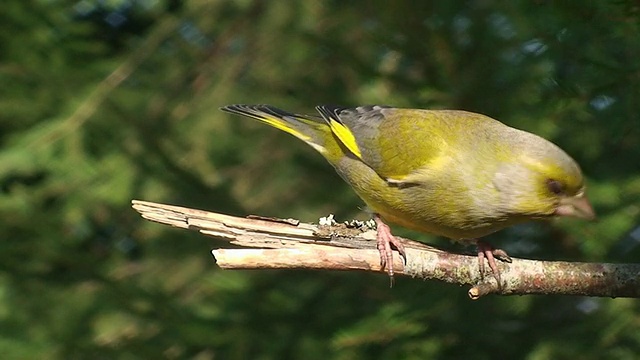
<point x="289" y="244"/>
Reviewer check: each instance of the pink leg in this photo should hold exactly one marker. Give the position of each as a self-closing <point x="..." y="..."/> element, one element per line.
<point x="485" y="250"/>
<point x="385" y="240"/>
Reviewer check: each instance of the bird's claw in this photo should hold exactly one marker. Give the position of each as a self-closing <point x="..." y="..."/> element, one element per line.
<point x="385" y="240"/>
<point x="502" y="255"/>
<point x="485" y="250"/>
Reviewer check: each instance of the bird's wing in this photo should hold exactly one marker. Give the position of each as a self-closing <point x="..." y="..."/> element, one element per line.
<point x="402" y="145"/>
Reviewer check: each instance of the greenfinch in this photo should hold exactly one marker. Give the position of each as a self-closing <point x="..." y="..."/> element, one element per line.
<point x="451" y="173"/>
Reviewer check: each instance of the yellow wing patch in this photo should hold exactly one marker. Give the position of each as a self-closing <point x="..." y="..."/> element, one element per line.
<point x="346" y="137"/>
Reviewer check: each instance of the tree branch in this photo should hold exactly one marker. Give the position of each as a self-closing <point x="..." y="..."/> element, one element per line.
<point x="289" y="244"/>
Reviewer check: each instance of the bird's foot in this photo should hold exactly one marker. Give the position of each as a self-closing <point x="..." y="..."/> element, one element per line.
<point x="385" y="240"/>
<point x="485" y="250"/>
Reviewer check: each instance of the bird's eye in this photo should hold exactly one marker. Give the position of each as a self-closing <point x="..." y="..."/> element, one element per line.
<point x="555" y="186"/>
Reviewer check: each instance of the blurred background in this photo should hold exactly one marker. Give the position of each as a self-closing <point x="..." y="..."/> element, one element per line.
<point x="105" y="101"/>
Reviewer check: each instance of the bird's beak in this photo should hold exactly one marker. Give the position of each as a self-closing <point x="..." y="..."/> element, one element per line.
<point x="577" y="206"/>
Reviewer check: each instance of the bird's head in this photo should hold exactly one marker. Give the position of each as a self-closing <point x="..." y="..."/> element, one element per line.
<point x="543" y="181"/>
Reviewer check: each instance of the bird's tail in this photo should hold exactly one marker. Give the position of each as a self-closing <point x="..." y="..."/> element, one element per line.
<point x="311" y="129"/>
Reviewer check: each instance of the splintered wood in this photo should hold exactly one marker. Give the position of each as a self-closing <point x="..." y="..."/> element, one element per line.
<point x="271" y="243"/>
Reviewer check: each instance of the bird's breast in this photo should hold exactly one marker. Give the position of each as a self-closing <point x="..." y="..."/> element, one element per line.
<point x="441" y="208"/>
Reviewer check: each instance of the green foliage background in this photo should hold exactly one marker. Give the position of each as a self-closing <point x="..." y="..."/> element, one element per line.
<point x="106" y="101"/>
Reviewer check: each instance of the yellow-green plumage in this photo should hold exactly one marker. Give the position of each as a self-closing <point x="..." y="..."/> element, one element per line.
<point x="451" y="173"/>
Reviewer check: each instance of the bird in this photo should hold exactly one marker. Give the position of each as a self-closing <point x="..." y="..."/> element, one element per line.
<point x="451" y="173"/>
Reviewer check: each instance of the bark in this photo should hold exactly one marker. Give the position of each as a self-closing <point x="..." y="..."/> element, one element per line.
<point x="269" y="243"/>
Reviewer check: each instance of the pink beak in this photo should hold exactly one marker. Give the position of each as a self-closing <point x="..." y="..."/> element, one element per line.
<point x="577" y="206"/>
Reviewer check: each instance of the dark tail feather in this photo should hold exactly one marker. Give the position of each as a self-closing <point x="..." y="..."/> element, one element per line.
<point x="308" y="128"/>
